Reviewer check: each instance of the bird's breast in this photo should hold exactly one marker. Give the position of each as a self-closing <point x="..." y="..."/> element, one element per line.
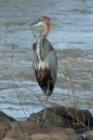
<point x="44" y="79"/>
<point x="42" y="74"/>
<point x="42" y="65"/>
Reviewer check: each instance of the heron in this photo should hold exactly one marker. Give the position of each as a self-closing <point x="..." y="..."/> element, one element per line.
<point x="45" y="62"/>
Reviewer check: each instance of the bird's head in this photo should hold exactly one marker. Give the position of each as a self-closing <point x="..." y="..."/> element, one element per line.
<point x="42" y="21"/>
<point x="45" y="22"/>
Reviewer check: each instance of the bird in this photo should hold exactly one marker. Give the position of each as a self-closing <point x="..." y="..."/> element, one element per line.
<point x="45" y="62"/>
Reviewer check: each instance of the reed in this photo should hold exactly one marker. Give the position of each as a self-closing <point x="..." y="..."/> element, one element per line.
<point x="73" y="112"/>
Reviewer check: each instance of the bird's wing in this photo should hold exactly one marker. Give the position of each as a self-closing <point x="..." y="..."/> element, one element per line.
<point x="52" y="61"/>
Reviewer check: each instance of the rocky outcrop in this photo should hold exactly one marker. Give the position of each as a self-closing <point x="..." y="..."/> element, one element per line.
<point x="66" y="117"/>
<point x="60" y="124"/>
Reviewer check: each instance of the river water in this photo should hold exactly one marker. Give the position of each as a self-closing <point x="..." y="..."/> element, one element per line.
<point x="71" y="35"/>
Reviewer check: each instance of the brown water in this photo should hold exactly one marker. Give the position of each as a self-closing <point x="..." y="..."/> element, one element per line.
<point x="72" y="36"/>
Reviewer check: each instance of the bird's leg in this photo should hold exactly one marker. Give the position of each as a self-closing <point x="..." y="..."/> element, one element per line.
<point x="45" y="108"/>
<point x="44" y="114"/>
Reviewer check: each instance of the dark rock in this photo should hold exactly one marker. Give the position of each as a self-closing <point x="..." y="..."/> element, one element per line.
<point x="65" y="117"/>
<point x="5" y="124"/>
<point x="91" y="122"/>
<point x="82" y="115"/>
<point x="5" y="116"/>
<point x="51" y="118"/>
<point x="73" y="118"/>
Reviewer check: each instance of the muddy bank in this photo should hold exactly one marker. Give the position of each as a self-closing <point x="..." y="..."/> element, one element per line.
<point x="61" y="123"/>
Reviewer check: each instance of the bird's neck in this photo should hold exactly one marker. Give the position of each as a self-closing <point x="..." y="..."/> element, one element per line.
<point x="41" y="63"/>
<point x="45" y="31"/>
<point x="39" y="53"/>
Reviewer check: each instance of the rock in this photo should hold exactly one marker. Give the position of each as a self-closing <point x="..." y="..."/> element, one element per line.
<point x="82" y="115"/>
<point x="2" y="134"/>
<point x="4" y="127"/>
<point x="91" y="123"/>
<point x="41" y="137"/>
<point x="55" y="126"/>
<point x="51" y="117"/>
<point x="65" y="117"/>
<point x="74" y="137"/>
<point x="65" y="134"/>
<point x="5" y="124"/>
<point x="33" y="131"/>
<point x="57" y="134"/>
<point x="90" y="135"/>
<point x="18" y="137"/>
<point x="17" y="132"/>
<point x="5" y="116"/>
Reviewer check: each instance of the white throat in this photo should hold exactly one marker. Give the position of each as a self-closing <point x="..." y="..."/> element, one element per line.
<point x="41" y="62"/>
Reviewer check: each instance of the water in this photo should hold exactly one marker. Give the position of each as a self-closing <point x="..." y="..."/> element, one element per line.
<point x="71" y="34"/>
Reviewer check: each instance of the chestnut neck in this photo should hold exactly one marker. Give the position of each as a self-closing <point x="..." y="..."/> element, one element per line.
<point x="46" y="30"/>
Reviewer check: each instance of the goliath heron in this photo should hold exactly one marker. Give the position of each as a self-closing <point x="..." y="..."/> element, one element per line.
<point x="45" y="60"/>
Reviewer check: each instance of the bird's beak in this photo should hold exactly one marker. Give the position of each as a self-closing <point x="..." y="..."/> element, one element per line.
<point x="37" y="23"/>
